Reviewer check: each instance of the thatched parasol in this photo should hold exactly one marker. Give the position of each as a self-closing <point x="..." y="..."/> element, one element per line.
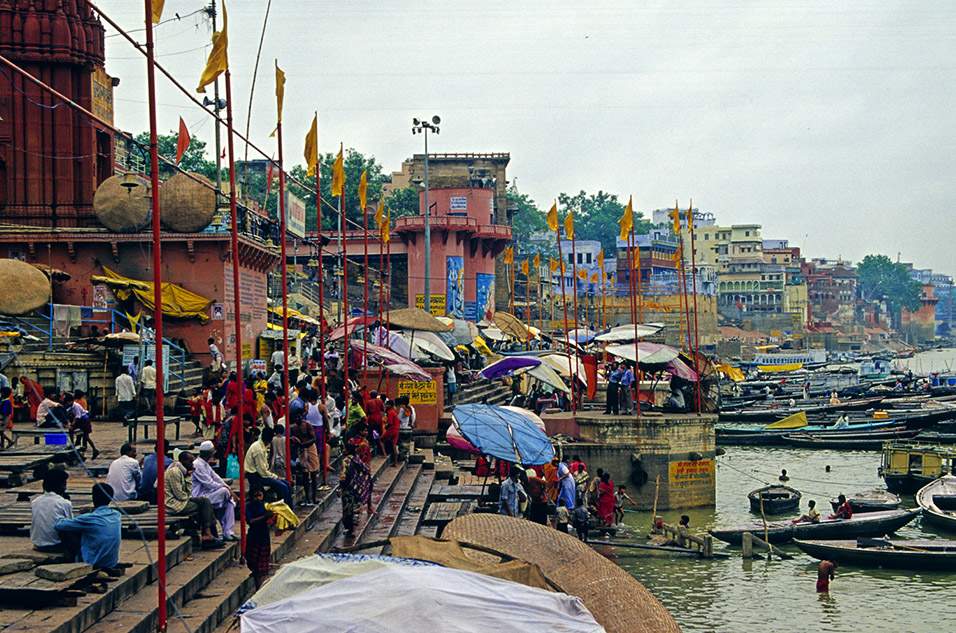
<point x="25" y="287"/>
<point x="512" y="326"/>
<point x="121" y="205"/>
<point x="188" y="203"/>
<point x="616" y="599"/>
<point x="55" y="274"/>
<point x="415" y="319"/>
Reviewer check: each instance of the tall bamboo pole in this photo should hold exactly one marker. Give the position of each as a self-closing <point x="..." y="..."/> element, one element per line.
<point x="693" y="265"/>
<point x="567" y="339"/>
<point x="283" y="236"/>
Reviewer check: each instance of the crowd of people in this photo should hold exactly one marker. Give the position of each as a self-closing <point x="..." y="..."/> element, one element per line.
<point x="580" y="501"/>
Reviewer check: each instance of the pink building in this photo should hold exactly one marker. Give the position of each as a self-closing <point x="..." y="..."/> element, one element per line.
<point x="464" y="243"/>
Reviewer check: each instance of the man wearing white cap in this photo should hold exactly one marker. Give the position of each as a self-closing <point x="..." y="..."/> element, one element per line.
<point x="206" y="483"/>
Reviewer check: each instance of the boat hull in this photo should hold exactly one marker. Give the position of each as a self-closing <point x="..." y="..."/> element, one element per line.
<point x="867" y="524"/>
<point x="936" y="500"/>
<point x="941" y="557"/>
<point x="776" y="499"/>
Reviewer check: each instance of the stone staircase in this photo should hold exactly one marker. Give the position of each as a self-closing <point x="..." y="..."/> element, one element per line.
<point x="481" y="391"/>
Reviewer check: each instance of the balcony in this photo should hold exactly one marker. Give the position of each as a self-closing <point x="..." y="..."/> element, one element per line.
<point x="416" y="223"/>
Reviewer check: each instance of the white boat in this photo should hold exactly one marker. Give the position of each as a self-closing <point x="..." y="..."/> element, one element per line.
<point x="791" y="357"/>
<point x="938" y="501"/>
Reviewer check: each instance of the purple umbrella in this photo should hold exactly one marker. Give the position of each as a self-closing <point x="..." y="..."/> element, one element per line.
<point x="507" y="365"/>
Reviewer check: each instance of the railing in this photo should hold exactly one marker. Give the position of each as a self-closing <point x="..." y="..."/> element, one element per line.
<point x="114" y="320"/>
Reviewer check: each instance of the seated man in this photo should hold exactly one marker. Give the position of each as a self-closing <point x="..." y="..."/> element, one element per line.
<point x="47" y="509"/>
<point x="812" y="515"/>
<point x="257" y="467"/>
<point x="180" y="502"/>
<point x="124" y="474"/>
<point x="146" y="491"/>
<point x="206" y="483"/>
<point x="99" y="531"/>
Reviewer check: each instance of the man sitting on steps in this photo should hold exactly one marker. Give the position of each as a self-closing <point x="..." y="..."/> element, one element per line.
<point x="257" y="467"/>
<point x="180" y="502"/>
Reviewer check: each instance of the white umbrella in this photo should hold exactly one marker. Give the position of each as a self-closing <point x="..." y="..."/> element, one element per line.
<point x="563" y="364"/>
<point x="494" y="334"/>
<point x="626" y="332"/>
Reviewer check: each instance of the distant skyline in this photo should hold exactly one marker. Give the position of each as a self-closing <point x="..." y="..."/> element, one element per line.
<point x="831" y="125"/>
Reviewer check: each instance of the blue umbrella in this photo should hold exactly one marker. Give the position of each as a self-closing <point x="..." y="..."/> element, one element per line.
<point x="504" y="434"/>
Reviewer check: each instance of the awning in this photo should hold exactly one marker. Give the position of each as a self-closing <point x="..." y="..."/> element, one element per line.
<point x="503" y="434"/>
<point x="626" y="332"/>
<point x="177" y="302"/>
<point x="393" y="362"/>
<point x="353" y="323"/>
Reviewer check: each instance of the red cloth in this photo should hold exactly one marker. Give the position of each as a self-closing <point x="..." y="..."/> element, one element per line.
<point x="374" y="408"/>
<point x="34" y="394"/>
<point x="823" y="585"/>
<point x="258" y="557"/>
<point x="391" y="426"/>
<point x="590" y="370"/>
<point x="232" y="395"/>
<point x="605" y="505"/>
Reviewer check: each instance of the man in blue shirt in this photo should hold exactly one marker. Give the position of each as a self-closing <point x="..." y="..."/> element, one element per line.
<point x="613" y="405"/>
<point x="146" y="491"/>
<point x="627" y="383"/>
<point x="511" y="494"/>
<point x="99" y="532"/>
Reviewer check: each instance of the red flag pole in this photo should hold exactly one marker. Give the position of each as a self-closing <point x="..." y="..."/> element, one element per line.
<point x="632" y="286"/>
<point x="345" y="292"/>
<point x="157" y="324"/>
<point x="567" y="339"/>
<point x="237" y="428"/>
<point x="381" y="287"/>
<point x="574" y="285"/>
<point x="388" y="277"/>
<point x="285" y="305"/>
<point x="693" y="265"/>
<point x="638" y="304"/>
<point x="683" y="283"/>
<point x="318" y="226"/>
<point x="365" y="295"/>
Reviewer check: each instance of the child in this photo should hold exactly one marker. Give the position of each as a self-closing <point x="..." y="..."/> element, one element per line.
<point x="581" y="518"/>
<point x="258" y="548"/>
<point x="79" y="421"/>
<point x="562" y="516"/>
<point x="619" y="498"/>
<point x="6" y="416"/>
<point x="195" y="408"/>
<point x="79" y="396"/>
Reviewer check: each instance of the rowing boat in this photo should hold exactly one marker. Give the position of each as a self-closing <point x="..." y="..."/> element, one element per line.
<point x="774" y="499"/>
<point x="938" y="501"/>
<point x="893" y="554"/>
<point x="866" y="524"/>
<point x="869" y="501"/>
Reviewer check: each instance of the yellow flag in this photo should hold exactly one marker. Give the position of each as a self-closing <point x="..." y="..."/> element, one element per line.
<point x="594" y="277"/>
<point x="280" y="92"/>
<point x="627" y="220"/>
<point x="386" y="228"/>
<point x="564" y="269"/>
<point x="600" y="259"/>
<point x="312" y="147"/>
<point x="524" y="268"/>
<point x="537" y="261"/>
<point x="554" y="264"/>
<point x="218" y="57"/>
<point x="380" y="214"/>
<point x="569" y="225"/>
<point x="553" y="217"/>
<point x="338" y="174"/>
<point x="582" y="274"/>
<point x="157" y="10"/>
<point x="509" y="255"/>
<point x="675" y="216"/>
<point x="363" y="189"/>
<point x="675" y="257"/>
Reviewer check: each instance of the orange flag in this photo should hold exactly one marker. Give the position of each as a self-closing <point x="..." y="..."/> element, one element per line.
<point x="524" y="268"/>
<point x="537" y="261"/>
<point x="182" y="143"/>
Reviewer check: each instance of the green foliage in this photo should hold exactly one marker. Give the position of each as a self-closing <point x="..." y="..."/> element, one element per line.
<point x="194" y="158"/>
<point x="403" y="202"/>
<point x="880" y="279"/>
<point x="596" y="217"/>
<point x="355" y="162"/>
<point x="528" y="218"/>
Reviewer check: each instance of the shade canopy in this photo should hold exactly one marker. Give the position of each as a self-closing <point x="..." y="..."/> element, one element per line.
<point x="415" y="319"/>
<point x="508" y="365"/>
<point x="655" y="357"/>
<point x="431" y="343"/>
<point x="512" y="326"/>
<point x="494" y="334"/>
<point x="626" y="332"/>
<point x="352" y="324"/>
<point x="546" y="374"/>
<point x="393" y="362"/>
<point x="503" y="434"/>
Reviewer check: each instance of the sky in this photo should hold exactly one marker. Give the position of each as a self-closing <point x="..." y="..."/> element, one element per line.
<point x="831" y="124"/>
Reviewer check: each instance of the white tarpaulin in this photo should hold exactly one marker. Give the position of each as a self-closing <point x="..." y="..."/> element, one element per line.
<point x="316" y="571"/>
<point x="398" y="599"/>
<point x="626" y="332"/>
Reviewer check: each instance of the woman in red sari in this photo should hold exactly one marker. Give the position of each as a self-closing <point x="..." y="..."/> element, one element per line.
<point x="605" y="505"/>
<point x="34" y="395"/>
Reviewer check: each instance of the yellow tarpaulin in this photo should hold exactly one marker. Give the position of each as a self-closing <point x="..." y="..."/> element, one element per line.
<point x="795" y="421"/>
<point x="480" y="345"/>
<point x="770" y="369"/>
<point x="731" y="372"/>
<point x="177" y="302"/>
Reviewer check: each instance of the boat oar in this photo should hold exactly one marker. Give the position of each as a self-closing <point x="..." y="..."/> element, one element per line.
<point x="862" y="541"/>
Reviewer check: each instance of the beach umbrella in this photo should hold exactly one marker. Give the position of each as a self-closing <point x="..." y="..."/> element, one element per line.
<point x="512" y="326"/>
<point x="393" y="362"/>
<point x="415" y="319"/>
<point x="563" y="364"/>
<point x="538" y="422"/>
<point x="547" y="375"/>
<point x="495" y="334"/>
<point x="504" y="434"/>
<point x="581" y="335"/>
<point x="623" y="333"/>
<point x="508" y="365"/>
<point x="353" y="324"/>
<point x="650" y="353"/>
<point x="431" y="343"/>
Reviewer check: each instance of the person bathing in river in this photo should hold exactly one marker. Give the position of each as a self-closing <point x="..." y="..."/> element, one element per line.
<point x="619" y="498"/>
<point x="783" y="476"/>
<point x="825" y="574"/>
<point x="843" y="511"/>
<point x="605" y="504"/>
<point x="812" y="515"/>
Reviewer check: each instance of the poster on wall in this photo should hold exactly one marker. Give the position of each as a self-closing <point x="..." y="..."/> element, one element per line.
<point x="438" y="304"/>
<point x="295" y="214"/>
<point x="485" y="296"/>
<point x="455" y="293"/>
<point x="149" y="351"/>
<point x="99" y="297"/>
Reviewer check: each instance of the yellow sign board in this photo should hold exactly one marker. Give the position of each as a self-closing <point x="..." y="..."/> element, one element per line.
<point x="419" y="392"/>
<point x="246" y="351"/>
<point x="438" y="304"/>
<point x="691" y="474"/>
<point x="102" y="94"/>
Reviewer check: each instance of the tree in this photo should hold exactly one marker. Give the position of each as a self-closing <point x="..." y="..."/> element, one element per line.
<point x="528" y="218"/>
<point x="596" y="217"/>
<point x="194" y="158"/>
<point x="403" y="202"/>
<point x="880" y="279"/>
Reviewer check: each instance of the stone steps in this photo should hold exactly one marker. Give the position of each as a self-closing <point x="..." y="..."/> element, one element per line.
<point x="386" y="523"/>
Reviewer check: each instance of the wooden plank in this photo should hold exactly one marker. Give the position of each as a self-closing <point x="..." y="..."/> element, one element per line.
<point x="441" y="512"/>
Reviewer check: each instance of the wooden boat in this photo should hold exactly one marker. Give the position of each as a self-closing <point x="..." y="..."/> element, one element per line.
<point x="774" y="499"/>
<point x="774" y="413"/>
<point x="758" y="435"/>
<point x="908" y="467"/>
<point x="866" y="524"/>
<point x="870" y="501"/>
<point x="861" y="441"/>
<point x="938" y="501"/>
<point x="893" y="554"/>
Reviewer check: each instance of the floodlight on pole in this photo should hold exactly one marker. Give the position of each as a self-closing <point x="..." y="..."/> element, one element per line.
<point x="422" y="127"/>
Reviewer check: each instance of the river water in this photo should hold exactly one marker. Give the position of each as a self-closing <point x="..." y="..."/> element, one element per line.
<point x="779" y="596"/>
<point x="933" y="361"/>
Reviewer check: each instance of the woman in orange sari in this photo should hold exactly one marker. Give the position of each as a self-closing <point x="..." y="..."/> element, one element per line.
<point x="551" y="478"/>
<point x="34" y="395"/>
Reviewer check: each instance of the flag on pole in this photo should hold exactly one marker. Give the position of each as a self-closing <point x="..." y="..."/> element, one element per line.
<point x="385" y="228"/>
<point x="218" y="59"/>
<point x="594" y="277"/>
<point x="509" y="255"/>
<point x="600" y="259"/>
<point x="675" y="216"/>
<point x="676" y="257"/>
<point x="553" y="217"/>
<point x="223" y="155"/>
<point x="280" y="96"/>
<point x="269" y="179"/>
<point x="627" y="220"/>
<point x="380" y="214"/>
<point x="537" y="261"/>
<point x="563" y="269"/>
<point x="554" y="264"/>
<point x="363" y="190"/>
<point x="182" y="143"/>
<point x="338" y="174"/>
<point x="524" y="268"/>
<point x="312" y="147"/>
<point x="157" y="10"/>
<point x="569" y="225"/>
<point x="582" y="275"/>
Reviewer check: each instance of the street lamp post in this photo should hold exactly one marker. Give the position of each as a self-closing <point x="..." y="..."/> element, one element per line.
<point x="422" y="127"/>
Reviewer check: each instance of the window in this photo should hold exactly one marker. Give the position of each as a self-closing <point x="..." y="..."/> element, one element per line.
<point x="580" y="258"/>
<point x="706" y="237"/>
<point x="747" y="233"/>
<point x="589" y="258"/>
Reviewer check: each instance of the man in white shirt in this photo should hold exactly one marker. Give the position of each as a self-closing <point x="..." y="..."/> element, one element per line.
<point x="148" y="385"/>
<point x="126" y="397"/>
<point x="215" y="363"/>
<point x="278" y="358"/>
<point x="45" y="509"/>
<point x="257" y="466"/>
<point x="206" y="483"/>
<point x="124" y="474"/>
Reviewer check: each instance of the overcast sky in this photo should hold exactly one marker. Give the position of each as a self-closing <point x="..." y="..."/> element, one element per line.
<point x="831" y="124"/>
